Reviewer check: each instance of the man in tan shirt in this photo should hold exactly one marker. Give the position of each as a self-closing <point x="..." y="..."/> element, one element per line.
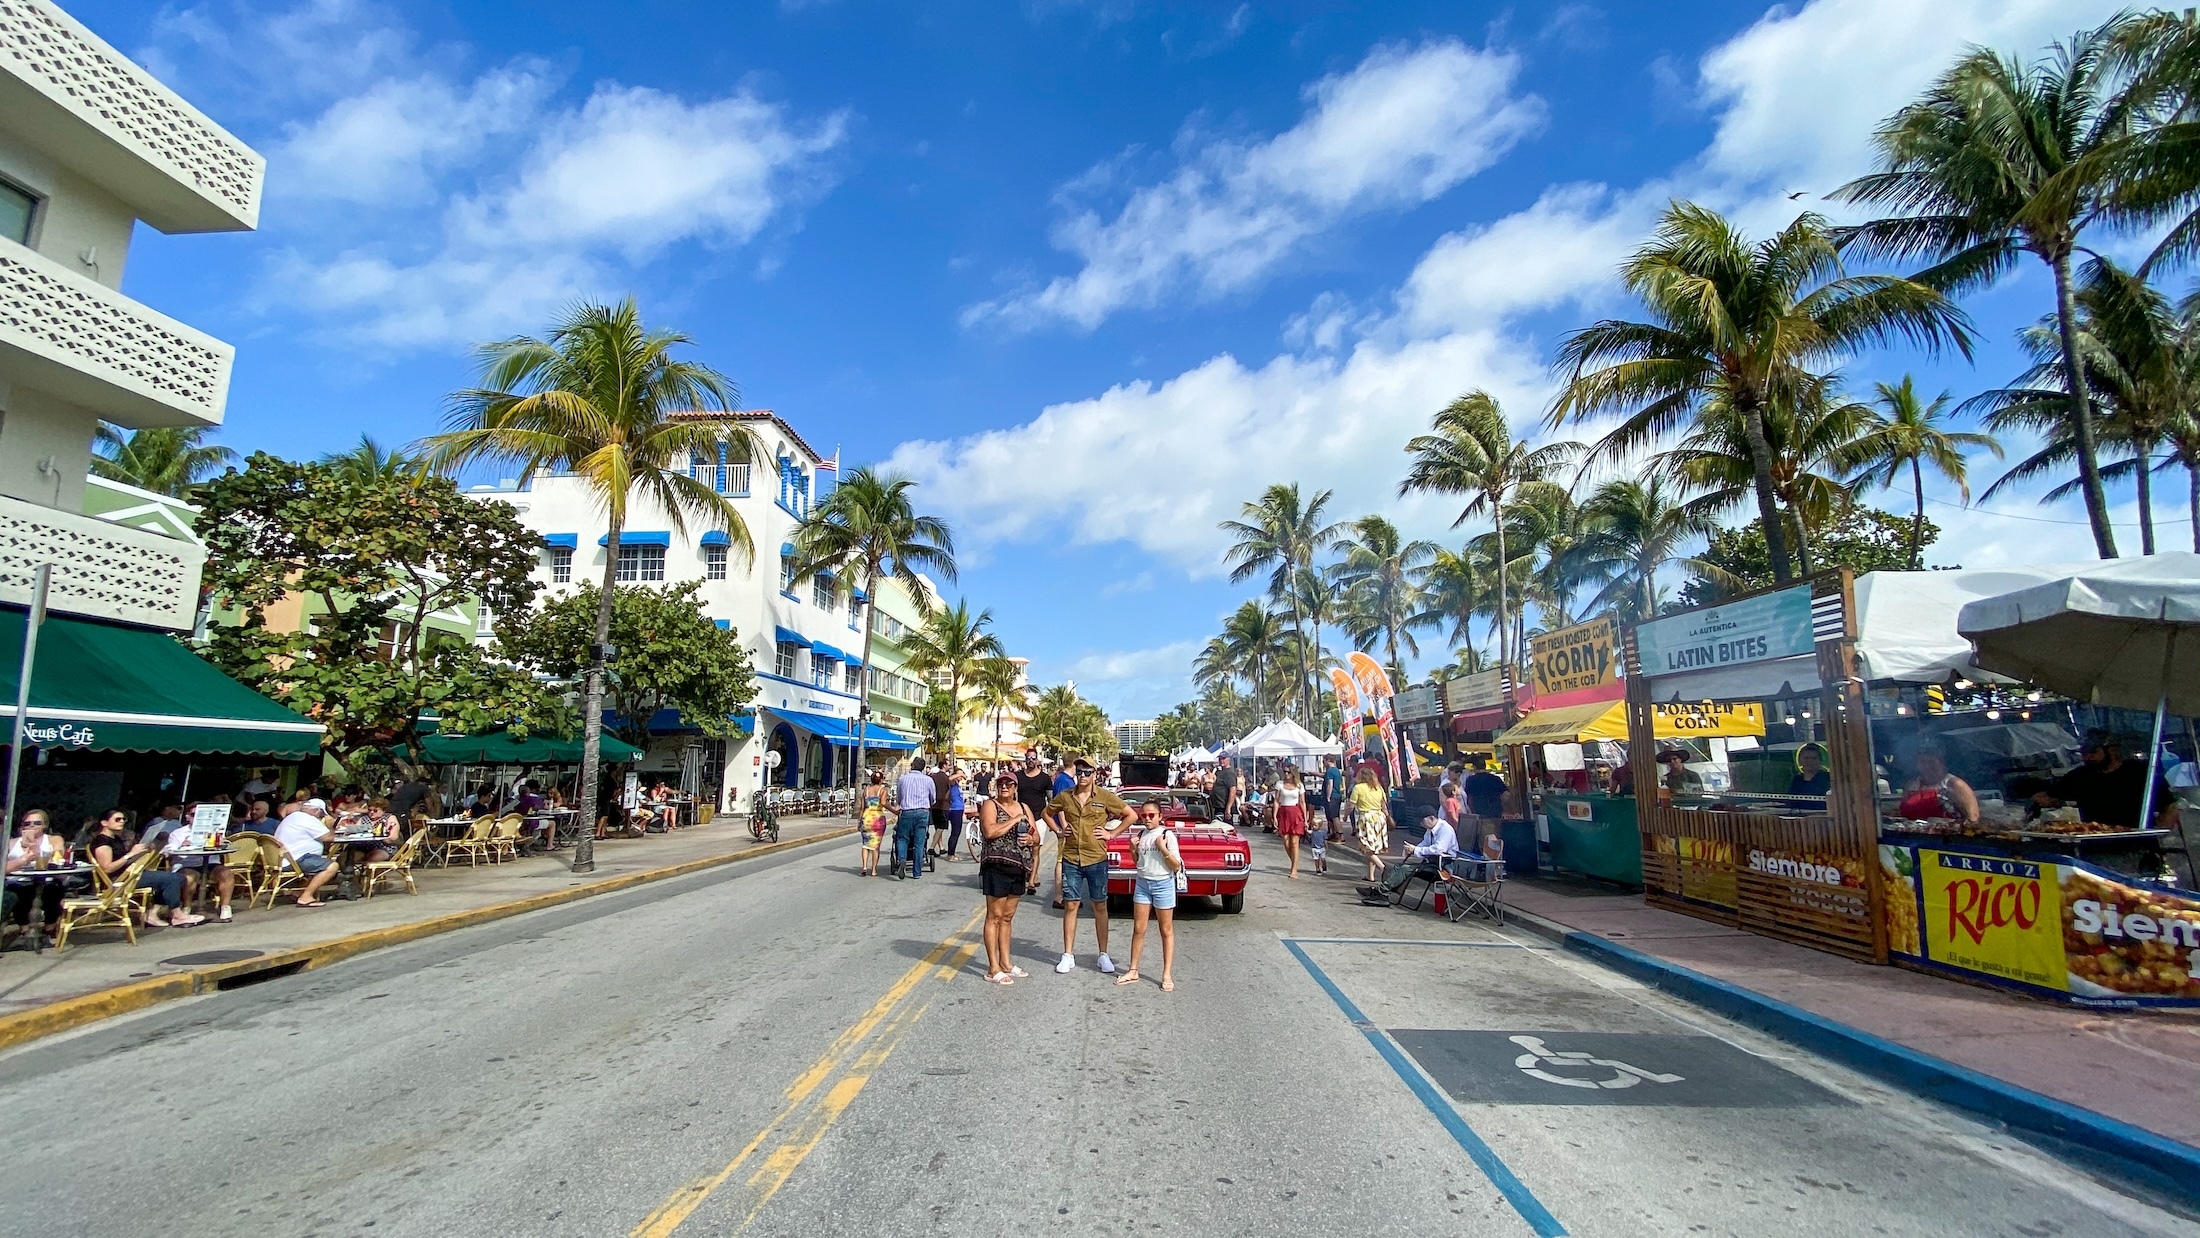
<point x="1085" y="817"/>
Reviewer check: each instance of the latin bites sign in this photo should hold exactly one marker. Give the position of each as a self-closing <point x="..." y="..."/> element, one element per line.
<point x="1570" y="659"/>
<point x="1758" y="629"/>
<point x="2070" y="931"/>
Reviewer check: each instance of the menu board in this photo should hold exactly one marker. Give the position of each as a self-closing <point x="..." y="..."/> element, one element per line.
<point x="209" y="823"/>
<point x="2052" y="926"/>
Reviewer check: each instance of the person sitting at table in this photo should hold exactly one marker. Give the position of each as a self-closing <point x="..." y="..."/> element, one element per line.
<point x="388" y="833"/>
<point x="257" y="819"/>
<point x="180" y="839"/>
<point x="1811" y="778"/>
<point x="1936" y="794"/>
<point x="1439" y="842"/>
<point x="156" y="832"/>
<point x="33" y="847"/>
<point x="305" y="836"/>
<point x="110" y="849"/>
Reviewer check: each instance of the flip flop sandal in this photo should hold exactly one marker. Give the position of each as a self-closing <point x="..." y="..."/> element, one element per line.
<point x="1001" y="977"/>
<point x="1168" y="986"/>
<point x="1018" y="972"/>
<point x="315" y="903"/>
<point x="1129" y="977"/>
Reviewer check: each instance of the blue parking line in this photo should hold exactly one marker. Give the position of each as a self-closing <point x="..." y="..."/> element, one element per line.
<point x="1516" y="1193"/>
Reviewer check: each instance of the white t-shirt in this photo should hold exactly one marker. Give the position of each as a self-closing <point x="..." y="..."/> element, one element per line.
<point x="49" y="847"/>
<point x="1151" y="846"/>
<point x="1287" y="796"/>
<point x="300" y="835"/>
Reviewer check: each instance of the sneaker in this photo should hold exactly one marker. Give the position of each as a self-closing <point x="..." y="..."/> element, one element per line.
<point x="225" y="915"/>
<point x="1066" y="966"/>
<point x="1107" y="965"/>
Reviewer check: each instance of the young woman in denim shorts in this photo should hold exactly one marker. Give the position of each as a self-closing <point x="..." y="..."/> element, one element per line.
<point x="1154" y="893"/>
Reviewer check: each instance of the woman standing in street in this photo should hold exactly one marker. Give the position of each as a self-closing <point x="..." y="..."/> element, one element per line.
<point x="1291" y="815"/>
<point x="1004" y="865"/>
<point x="1154" y="893"/>
<point x="955" y="806"/>
<point x="1371" y="820"/>
<point x="873" y="817"/>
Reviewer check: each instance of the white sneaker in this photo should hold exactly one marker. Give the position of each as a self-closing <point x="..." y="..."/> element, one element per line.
<point x="1107" y="964"/>
<point x="1066" y="966"/>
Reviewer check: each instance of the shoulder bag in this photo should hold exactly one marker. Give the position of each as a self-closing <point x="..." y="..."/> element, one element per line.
<point x="1005" y="855"/>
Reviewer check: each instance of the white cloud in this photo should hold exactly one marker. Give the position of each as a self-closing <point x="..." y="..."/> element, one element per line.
<point x="1130" y="683"/>
<point x="471" y="204"/>
<point x="1561" y="249"/>
<point x="1399" y="129"/>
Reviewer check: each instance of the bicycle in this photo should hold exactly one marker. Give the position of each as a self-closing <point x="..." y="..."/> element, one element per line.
<point x="763" y="821"/>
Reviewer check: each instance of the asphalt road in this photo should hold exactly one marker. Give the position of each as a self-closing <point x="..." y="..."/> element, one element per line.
<point x="784" y="1048"/>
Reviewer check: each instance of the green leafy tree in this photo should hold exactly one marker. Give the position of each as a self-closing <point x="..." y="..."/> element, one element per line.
<point x="1065" y="725"/>
<point x="1251" y="645"/>
<point x="999" y="691"/>
<point x="1638" y="528"/>
<point x="955" y="643"/>
<point x="170" y="460"/>
<point x="1470" y="451"/>
<point x="2001" y="158"/>
<point x="1178" y="728"/>
<point x="937" y="718"/>
<point x="668" y="655"/>
<point x="1282" y="533"/>
<point x="369" y="460"/>
<point x="1864" y="539"/>
<point x="869" y="530"/>
<point x="604" y="399"/>
<point x="1382" y="606"/>
<point x="1903" y="435"/>
<point x="1810" y="436"/>
<point x="1737" y="329"/>
<point x="378" y="558"/>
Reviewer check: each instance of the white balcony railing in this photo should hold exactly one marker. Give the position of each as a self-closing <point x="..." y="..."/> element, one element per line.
<point x="90" y="107"/>
<point x="90" y="345"/>
<point x="727" y="479"/>
<point x="101" y="569"/>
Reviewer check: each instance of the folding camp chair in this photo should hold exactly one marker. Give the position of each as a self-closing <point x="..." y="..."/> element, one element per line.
<point x="1475" y="885"/>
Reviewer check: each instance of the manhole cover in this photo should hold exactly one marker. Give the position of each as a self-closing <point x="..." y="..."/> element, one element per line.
<point x="209" y="958"/>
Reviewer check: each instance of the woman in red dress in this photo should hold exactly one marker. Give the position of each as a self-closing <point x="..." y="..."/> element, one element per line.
<point x="1291" y="815"/>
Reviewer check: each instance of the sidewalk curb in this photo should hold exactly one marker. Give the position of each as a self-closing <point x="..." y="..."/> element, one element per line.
<point x="70" y="1013"/>
<point x="2163" y="1165"/>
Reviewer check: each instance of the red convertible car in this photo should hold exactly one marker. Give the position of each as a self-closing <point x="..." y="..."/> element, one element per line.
<point x="1217" y="859"/>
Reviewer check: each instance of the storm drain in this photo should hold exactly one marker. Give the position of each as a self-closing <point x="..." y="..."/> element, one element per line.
<point x="211" y="958"/>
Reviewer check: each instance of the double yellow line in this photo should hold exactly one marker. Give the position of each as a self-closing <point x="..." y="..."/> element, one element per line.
<point x="811" y="1107"/>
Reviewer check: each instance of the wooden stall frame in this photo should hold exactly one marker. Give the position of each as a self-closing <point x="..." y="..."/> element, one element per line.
<point x="1792" y="908"/>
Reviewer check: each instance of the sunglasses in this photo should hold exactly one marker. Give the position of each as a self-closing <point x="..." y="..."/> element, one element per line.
<point x="1149" y="816"/>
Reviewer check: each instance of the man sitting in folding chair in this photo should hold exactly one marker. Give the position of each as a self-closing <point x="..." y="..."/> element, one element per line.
<point x="1474" y="884"/>
<point x="1423" y="860"/>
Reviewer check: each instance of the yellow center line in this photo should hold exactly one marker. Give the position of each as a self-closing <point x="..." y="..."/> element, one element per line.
<point x="682" y="1204"/>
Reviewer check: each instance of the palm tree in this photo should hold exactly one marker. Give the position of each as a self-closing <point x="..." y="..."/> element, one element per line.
<point x="368" y="462"/>
<point x="170" y="460"/>
<point x="602" y="398"/>
<point x="1471" y="451"/>
<point x="1809" y="436"/>
<point x="953" y="642"/>
<point x="1638" y="527"/>
<point x="1738" y="326"/>
<point x="1252" y="641"/>
<point x="1315" y="604"/>
<point x="999" y="687"/>
<point x="1382" y="604"/>
<point x="1905" y="437"/>
<point x="1998" y="159"/>
<point x="1549" y="530"/>
<point x="1281" y="533"/>
<point x="868" y="530"/>
<point x="1454" y="590"/>
<point x="1213" y="668"/>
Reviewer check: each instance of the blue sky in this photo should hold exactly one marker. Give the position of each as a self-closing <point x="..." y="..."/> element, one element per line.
<point x="1094" y="272"/>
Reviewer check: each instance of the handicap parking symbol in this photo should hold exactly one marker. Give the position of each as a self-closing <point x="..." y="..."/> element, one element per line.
<point x="1539" y="1055"/>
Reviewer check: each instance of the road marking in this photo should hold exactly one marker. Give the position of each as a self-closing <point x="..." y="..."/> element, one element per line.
<point x="1407" y="941"/>
<point x="799" y="1118"/>
<point x="1540" y="1054"/>
<point x="1493" y="1167"/>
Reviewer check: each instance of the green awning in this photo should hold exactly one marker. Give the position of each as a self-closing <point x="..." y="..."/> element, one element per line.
<point x="102" y="687"/>
<point x="501" y="748"/>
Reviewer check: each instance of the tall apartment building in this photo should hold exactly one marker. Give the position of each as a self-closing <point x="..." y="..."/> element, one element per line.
<point x="1135" y="734"/>
<point x="805" y="640"/>
<point x="90" y="146"/>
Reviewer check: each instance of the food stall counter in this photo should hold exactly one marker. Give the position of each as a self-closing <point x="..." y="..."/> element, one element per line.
<point x="1595" y="835"/>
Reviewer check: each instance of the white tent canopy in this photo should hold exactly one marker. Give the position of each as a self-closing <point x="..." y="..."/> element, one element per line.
<point x="1194" y="755"/>
<point x="1285" y="739"/>
<point x="2123" y="632"/>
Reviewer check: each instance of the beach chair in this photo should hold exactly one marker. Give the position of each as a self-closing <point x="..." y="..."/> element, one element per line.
<point x="1475" y="885"/>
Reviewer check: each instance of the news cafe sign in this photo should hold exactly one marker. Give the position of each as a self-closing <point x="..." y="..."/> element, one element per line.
<point x="1574" y="658"/>
<point x="57" y="734"/>
<point x="1758" y="629"/>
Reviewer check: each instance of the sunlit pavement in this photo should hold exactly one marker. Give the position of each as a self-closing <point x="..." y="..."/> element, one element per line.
<point x="783" y="1047"/>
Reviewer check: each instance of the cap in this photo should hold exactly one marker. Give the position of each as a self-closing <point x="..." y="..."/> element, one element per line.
<point x="315" y="806"/>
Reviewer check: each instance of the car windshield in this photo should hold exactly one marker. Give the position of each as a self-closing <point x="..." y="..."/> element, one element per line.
<point x="1176" y="803"/>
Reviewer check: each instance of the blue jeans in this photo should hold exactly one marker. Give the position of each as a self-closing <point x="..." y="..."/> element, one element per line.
<point x="911" y="829"/>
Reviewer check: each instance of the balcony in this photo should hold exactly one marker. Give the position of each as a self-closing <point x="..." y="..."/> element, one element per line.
<point x="91" y="109"/>
<point x="101" y="569"/>
<point x="77" y="339"/>
<point x="731" y="480"/>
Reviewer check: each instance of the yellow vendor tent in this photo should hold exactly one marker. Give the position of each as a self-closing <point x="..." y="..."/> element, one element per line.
<point x="1569" y="724"/>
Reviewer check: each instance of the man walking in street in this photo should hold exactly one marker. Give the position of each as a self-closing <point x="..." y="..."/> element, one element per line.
<point x="913" y="799"/>
<point x="1226" y="791"/>
<point x="1034" y="789"/>
<point x="1086" y="816"/>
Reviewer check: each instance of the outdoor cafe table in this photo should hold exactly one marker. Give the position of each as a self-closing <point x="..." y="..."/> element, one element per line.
<point x="27" y="877"/>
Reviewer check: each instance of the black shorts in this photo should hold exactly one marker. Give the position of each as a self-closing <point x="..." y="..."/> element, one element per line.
<point x="999" y="884"/>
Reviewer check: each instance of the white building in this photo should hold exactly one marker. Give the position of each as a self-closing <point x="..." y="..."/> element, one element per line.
<point x="1134" y="734"/>
<point x="804" y="642"/>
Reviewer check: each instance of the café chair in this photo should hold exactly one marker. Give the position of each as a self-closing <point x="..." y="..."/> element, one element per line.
<point x="110" y="905"/>
<point x="474" y="845"/>
<point x="245" y="861"/>
<point x="399" y="865"/>
<point x="504" y="837"/>
<point x="278" y="876"/>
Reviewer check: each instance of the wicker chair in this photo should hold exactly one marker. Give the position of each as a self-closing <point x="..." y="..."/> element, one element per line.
<point x="474" y="845"/>
<point x="278" y="876"/>
<point x="109" y="907"/>
<point x="504" y="837"/>
<point x="399" y="866"/>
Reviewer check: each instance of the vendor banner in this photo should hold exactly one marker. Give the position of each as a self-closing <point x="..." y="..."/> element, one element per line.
<point x="1417" y="702"/>
<point x="1707" y="719"/>
<point x="1582" y="656"/>
<point x="1482" y="690"/>
<point x="1758" y="629"/>
<point x="2051" y="926"/>
<point x="1348" y="712"/>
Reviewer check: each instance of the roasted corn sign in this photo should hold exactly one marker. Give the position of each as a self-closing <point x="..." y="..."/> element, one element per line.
<point x="1569" y="659"/>
<point x="2064" y="930"/>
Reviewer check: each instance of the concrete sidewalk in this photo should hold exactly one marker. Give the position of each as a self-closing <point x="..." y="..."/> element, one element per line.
<point x="2140" y="1067"/>
<point x="102" y="961"/>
